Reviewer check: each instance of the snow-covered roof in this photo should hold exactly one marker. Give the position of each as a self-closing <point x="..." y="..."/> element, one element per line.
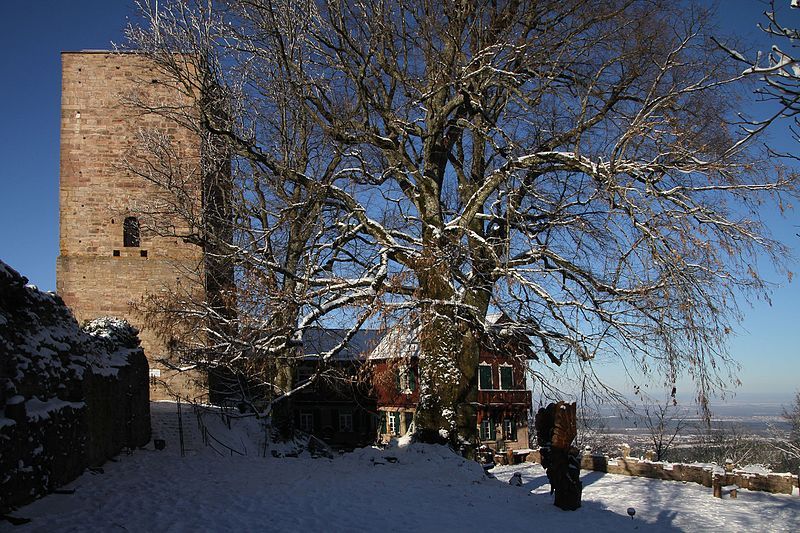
<point x="318" y="341"/>
<point x="399" y="342"/>
<point x="493" y="318"/>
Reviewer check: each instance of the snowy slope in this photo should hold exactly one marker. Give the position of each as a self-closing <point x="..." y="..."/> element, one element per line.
<point x="426" y="489"/>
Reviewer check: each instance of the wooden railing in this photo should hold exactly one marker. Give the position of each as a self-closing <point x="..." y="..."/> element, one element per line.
<point x="504" y="397"/>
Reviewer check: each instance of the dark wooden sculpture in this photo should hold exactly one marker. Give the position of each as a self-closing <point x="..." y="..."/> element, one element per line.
<point x="556" y="428"/>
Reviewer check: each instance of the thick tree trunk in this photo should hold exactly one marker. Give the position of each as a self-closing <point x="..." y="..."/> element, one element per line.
<point x="448" y="359"/>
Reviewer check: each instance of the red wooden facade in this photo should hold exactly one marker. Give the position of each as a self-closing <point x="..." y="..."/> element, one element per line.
<point x="503" y="401"/>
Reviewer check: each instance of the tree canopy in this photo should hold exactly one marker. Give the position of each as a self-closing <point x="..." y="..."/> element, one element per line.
<point x="580" y="167"/>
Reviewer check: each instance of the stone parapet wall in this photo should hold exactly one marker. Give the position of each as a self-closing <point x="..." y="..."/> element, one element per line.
<point x="702" y="474"/>
<point x="69" y="397"/>
<point x="117" y="410"/>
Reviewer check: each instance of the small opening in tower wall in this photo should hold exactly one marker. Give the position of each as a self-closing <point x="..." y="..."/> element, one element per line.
<point x="130" y="232"/>
<point x="115" y="253"/>
<point x="143" y="253"/>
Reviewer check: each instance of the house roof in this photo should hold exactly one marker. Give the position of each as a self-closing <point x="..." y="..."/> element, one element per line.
<point x="318" y="341"/>
<point x="401" y="341"/>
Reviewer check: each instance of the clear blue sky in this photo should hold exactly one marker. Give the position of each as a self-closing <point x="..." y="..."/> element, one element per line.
<point x="32" y="35"/>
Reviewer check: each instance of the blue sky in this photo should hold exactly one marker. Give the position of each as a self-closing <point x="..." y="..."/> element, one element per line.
<point x="32" y="35"/>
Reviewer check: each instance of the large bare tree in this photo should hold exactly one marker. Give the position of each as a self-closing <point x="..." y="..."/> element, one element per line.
<point x="580" y="167"/>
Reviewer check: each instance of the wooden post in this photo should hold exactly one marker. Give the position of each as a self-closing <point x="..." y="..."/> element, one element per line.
<point x="716" y="485"/>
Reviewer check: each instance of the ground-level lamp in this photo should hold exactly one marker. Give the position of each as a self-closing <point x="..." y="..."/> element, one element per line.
<point x="631" y="512"/>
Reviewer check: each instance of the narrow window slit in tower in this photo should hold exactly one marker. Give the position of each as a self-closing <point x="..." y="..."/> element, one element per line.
<point x="130" y="232"/>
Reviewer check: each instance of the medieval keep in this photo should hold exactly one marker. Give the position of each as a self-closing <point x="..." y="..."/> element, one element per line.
<point x="106" y="262"/>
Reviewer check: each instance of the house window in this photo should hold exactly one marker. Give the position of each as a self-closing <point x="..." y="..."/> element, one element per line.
<point x="345" y="422"/>
<point x="406" y="379"/>
<point x="393" y="418"/>
<point x="510" y="429"/>
<point x="506" y="378"/>
<point x="408" y="418"/>
<point x="304" y="374"/>
<point x="130" y="232"/>
<point x="485" y="377"/>
<point x="307" y="422"/>
<point x="487" y="429"/>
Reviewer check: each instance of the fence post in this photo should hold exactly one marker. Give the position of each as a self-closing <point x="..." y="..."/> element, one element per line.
<point x="716" y="485"/>
<point x="180" y="428"/>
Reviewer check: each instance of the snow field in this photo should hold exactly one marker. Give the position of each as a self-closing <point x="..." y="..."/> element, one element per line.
<point x="409" y="488"/>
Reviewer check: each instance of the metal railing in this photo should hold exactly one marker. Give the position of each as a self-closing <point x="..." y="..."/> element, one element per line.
<point x="209" y="439"/>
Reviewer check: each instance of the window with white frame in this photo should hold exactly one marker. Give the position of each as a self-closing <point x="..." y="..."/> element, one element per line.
<point x="485" y="377"/>
<point x="393" y="419"/>
<point x="506" y="377"/>
<point x="510" y="429"/>
<point x="306" y="421"/>
<point x="346" y="422"/>
<point x="406" y="379"/>
<point x="487" y="430"/>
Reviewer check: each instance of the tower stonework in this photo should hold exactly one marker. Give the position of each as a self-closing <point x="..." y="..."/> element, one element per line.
<point x="106" y="261"/>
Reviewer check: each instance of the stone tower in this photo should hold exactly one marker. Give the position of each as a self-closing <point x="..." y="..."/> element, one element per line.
<point x="106" y="261"/>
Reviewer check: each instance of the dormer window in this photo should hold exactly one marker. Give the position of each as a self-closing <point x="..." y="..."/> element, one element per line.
<point x="130" y="233"/>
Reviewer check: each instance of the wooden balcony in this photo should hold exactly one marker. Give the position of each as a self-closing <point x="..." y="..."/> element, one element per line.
<point x="505" y="397"/>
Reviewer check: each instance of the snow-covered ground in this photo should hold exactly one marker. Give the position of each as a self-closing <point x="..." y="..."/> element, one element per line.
<point x="426" y="489"/>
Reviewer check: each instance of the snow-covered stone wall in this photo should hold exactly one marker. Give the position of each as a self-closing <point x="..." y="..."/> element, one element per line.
<point x="69" y="397"/>
<point x="700" y="473"/>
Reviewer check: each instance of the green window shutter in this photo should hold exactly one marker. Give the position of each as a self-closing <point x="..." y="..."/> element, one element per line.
<point x="382" y="415"/>
<point x="514" y="428"/>
<point x="396" y="415"/>
<point x="397" y="375"/>
<point x="492" y="430"/>
<point x="485" y="377"/>
<point x="506" y="378"/>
